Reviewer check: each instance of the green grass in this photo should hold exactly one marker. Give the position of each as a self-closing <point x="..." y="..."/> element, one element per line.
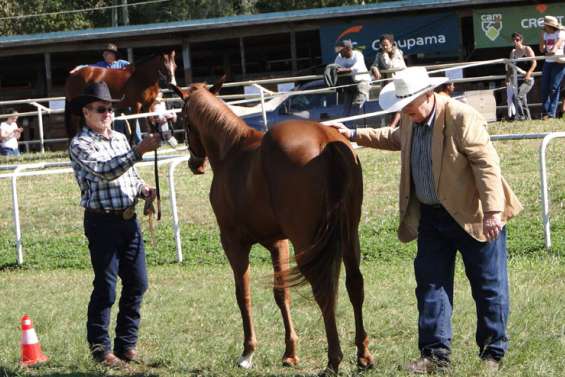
<point x="191" y="324"/>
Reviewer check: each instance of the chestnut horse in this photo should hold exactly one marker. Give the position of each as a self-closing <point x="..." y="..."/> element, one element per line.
<point x="302" y="182"/>
<point x="137" y="84"/>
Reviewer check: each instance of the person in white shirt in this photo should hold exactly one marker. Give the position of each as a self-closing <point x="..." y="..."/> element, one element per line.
<point x="352" y="61"/>
<point x="552" y="42"/>
<point x="162" y="119"/>
<point x="9" y="135"/>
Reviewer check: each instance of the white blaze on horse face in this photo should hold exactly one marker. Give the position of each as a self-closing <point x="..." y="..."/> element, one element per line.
<point x="173" y="78"/>
<point x="245" y="362"/>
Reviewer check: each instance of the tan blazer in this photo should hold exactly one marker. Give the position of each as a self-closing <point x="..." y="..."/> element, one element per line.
<point x="465" y="166"/>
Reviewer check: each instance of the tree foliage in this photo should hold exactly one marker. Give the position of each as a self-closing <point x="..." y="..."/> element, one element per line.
<point x="172" y="10"/>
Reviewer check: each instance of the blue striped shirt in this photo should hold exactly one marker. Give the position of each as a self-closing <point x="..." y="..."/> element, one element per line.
<point x="421" y="161"/>
<point x="104" y="170"/>
<point x="117" y="64"/>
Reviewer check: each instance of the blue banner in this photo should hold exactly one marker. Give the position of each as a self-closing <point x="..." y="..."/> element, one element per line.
<point x="437" y="34"/>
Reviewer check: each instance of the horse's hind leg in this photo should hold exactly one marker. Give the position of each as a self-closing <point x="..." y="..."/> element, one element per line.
<point x="355" y="289"/>
<point x="238" y="256"/>
<point x="279" y="256"/>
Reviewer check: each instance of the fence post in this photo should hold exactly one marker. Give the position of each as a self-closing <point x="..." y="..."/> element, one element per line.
<point x="40" y="123"/>
<point x="16" y="214"/>
<point x="173" y="193"/>
<point x="544" y="190"/>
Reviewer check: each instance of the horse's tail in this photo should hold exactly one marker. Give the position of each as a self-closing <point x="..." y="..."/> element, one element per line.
<point x="320" y="263"/>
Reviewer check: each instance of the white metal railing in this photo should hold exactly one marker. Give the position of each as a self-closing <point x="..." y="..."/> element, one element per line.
<point x="40" y="109"/>
<point x="174" y="161"/>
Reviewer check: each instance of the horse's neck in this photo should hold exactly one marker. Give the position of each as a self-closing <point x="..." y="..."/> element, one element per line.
<point x="225" y="135"/>
<point x="145" y="74"/>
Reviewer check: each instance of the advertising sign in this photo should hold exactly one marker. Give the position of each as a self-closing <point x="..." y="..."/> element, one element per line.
<point x="494" y="27"/>
<point x="436" y="34"/>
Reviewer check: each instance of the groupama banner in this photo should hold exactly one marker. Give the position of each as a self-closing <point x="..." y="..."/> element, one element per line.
<point x="494" y="27"/>
<point x="437" y="34"/>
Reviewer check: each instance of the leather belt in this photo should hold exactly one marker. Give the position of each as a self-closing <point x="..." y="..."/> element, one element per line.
<point x="126" y="213"/>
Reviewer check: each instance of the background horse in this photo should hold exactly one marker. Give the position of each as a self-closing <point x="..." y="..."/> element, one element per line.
<point x="300" y="181"/>
<point x="137" y="84"/>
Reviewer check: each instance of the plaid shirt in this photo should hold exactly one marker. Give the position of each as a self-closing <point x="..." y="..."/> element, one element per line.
<point x="104" y="170"/>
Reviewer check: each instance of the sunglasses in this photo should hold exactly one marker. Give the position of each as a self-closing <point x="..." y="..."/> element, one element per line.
<point x="517" y="39"/>
<point x="102" y="109"/>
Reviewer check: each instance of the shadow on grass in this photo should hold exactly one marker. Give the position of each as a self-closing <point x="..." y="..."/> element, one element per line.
<point x="9" y="267"/>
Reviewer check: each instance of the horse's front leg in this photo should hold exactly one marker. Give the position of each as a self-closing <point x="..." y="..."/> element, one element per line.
<point x="279" y="256"/>
<point x="355" y="290"/>
<point x="238" y="256"/>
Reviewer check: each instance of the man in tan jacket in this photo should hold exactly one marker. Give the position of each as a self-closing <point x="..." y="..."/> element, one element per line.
<point x="452" y="197"/>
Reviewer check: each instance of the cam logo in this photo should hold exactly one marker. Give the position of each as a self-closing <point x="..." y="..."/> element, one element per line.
<point x="491" y="24"/>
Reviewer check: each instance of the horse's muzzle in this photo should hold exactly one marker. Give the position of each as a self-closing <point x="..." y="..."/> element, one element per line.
<point x="197" y="165"/>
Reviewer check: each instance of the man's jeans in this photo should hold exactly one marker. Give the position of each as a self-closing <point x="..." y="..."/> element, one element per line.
<point x="9" y="151"/>
<point x="116" y="249"/>
<point x="550" y="86"/>
<point x="439" y="238"/>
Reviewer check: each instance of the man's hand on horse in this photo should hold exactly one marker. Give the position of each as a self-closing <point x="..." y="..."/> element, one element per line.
<point x="341" y="128"/>
<point x="149" y="143"/>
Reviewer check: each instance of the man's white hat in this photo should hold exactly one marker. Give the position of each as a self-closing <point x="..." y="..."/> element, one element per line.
<point x="406" y="86"/>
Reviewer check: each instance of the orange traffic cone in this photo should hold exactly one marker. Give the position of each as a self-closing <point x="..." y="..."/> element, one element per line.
<point x="31" y="350"/>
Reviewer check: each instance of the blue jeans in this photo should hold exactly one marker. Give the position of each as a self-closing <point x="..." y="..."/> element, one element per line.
<point x="116" y="249"/>
<point x="9" y="151"/>
<point x="439" y="238"/>
<point x="120" y="126"/>
<point x="551" y="78"/>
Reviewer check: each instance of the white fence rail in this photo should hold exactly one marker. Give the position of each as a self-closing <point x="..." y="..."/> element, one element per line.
<point x="262" y="96"/>
<point x="174" y="161"/>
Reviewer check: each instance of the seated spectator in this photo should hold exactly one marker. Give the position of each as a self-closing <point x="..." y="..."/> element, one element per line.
<point x="111" y="59"/>
<point x="519" y="76"/>
<point x="9" y="135"/>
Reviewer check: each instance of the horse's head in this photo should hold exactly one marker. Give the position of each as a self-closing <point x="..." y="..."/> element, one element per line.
<point x="167" y="67"/>
<point x="198" y="159"/>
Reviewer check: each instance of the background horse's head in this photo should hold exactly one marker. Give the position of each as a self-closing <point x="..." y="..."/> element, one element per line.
<point x="198" y="156"/>
<point x="167" y="68"/>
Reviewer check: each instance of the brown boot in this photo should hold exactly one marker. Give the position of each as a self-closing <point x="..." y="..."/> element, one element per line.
<point x="490" y="364"/>
<point x="425" y="365"/>
<point x="129" y="356"/>
<point x="109" y="360"/>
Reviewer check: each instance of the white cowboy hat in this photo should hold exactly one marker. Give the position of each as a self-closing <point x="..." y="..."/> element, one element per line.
<point x="406" y="86"/>
<point x="553" y="22"/>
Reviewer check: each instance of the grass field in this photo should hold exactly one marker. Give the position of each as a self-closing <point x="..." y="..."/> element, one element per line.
<point x="191" y="325"/>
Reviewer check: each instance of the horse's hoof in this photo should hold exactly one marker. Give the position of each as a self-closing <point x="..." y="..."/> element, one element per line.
<point x="245" y="362"/>
<point x="290" y="361"/>
<point x="365" y="362"/>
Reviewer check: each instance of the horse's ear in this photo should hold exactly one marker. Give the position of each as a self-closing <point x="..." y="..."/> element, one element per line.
<point x="215" y="89"/>
<point x="179" y="92"/>
<point x="173" y="54"/>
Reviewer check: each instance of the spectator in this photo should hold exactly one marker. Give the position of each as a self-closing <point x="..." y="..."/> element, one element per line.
<point x="452" y="198"/>
<point x="162" y="121"/>
<point x="552" y="41"/>
<point x="389" y="57"/>
<point x="110" y="187"/>
<point x="111" y="60"/>
<point x="9" y="135"/>
<point x="352" y="62"/>
<point x="519" y="76"/>
<point x="446" y="89"/>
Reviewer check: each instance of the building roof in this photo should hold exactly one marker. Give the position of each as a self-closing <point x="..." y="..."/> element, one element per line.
<point x="27" y="40"/>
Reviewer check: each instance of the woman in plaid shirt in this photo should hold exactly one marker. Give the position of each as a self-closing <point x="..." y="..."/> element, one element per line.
<point x="110" y="187"/>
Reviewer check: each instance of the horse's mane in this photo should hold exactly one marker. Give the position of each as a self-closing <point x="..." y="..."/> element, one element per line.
<point x="207" y="110"/>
